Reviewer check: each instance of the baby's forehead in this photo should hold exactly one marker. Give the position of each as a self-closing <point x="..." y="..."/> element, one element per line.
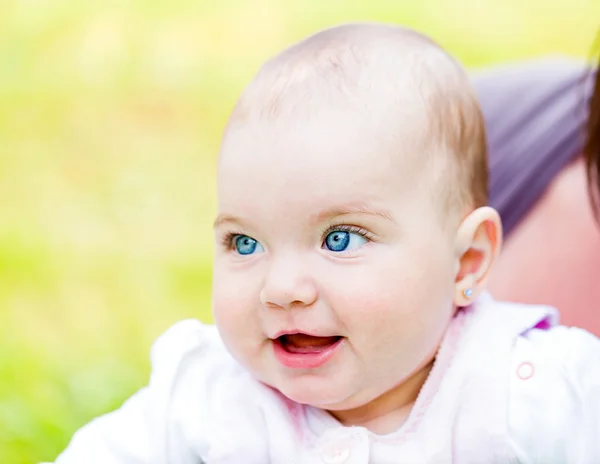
<point x="295" y="173"/>
<point x="334" y="152"/>
<point x="358" y="133"/>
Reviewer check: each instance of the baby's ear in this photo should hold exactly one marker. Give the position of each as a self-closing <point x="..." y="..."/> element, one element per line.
<point x="478" y="242"/>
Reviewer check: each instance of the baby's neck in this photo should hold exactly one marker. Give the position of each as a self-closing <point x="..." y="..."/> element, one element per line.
<point x="389" y="412"/>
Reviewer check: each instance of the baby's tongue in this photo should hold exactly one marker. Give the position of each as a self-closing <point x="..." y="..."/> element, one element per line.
<point x="302" y="343"/>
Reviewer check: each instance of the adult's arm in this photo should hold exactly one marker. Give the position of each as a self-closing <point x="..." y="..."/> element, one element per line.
<point x="536" y="114"/>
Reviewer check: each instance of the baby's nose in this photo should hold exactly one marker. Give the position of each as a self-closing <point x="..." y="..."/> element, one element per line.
<point x="288" y="283"/>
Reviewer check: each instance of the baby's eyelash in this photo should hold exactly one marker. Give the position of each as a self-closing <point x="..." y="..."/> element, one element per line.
<point x="350" y="229"/>
<point x="226" y="239"/>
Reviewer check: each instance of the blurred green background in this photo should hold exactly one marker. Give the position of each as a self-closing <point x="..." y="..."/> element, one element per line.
<point x="110" y="118"/>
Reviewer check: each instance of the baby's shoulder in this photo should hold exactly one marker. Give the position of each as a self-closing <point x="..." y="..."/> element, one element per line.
<point x="201" y="390"/>
<point x="557" y="346"/>
<point x="554" y="407"/>
<point x="550" y="359"/>
<point x="190" y="349"/>
<point x="184" y="337"/>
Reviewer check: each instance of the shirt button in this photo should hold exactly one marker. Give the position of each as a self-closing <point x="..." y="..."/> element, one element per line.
<point x="525" y="370"/>
<point x="335" y="454"/>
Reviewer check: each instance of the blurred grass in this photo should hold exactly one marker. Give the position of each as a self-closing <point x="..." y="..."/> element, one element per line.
<point x="110" y="119"/>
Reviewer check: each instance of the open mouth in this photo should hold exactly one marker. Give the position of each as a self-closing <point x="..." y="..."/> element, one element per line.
<point x="303" y="351"/>
<point x="305" y="344"/>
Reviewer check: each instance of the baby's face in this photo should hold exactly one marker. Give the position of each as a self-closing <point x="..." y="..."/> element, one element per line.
<point x="334" y="273"/>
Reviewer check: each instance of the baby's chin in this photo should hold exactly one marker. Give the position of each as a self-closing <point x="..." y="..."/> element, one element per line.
<point x="322" y="392"/>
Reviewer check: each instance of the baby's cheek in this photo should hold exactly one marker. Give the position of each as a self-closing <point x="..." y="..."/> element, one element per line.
<point x="234" y="298"/>
<point x="236" y="316"/>
<point x="366" y="301"/>
<point x="396" y="298"/>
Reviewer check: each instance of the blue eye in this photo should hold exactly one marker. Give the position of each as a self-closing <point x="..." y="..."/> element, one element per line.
<point x="245" y="245"/>
<point x="341" y="240"/>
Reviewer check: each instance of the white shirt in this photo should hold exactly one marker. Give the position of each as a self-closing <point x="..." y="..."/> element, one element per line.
<point x="507" y="386"/>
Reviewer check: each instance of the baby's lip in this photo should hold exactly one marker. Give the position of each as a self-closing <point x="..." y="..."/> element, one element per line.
<point x="301" y="332"/>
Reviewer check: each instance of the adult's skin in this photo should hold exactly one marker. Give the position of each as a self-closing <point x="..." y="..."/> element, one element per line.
<point x="544" y="182"/>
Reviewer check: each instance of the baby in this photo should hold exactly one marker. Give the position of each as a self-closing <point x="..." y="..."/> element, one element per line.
<point x="353" y="243"/>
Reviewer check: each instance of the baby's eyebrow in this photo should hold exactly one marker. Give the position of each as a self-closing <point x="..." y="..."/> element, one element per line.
<point x="357" y="208"/>
<point x="223" y="219"/>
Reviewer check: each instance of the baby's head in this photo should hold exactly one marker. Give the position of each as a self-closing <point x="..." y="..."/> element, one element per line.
<point x="351" y="190"/>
